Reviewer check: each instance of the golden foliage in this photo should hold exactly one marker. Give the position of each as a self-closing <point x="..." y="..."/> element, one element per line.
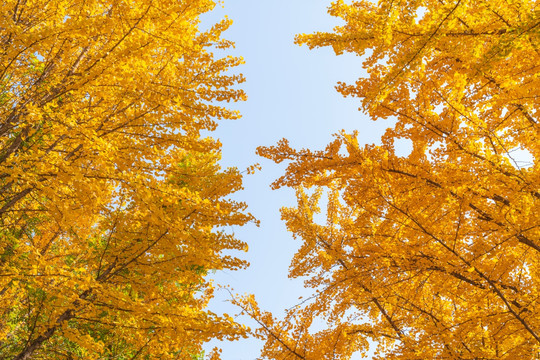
<point x="112" y="203"/>
<point x="434" y="255"/>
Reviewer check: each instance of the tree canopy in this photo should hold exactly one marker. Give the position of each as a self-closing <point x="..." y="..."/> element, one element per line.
<point x="436" y="254"/>
<point x="112" y="202"/>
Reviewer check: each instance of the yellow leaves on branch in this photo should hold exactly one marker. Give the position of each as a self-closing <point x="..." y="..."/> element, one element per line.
<point x="433" y="255"/>
<point x="112" y="204"/>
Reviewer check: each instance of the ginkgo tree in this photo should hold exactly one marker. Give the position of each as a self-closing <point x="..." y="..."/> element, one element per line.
<point x="112" y="201"/>
<point x="435" y="254"/>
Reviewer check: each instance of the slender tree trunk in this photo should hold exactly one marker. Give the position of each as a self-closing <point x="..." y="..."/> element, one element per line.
<point x="35" y="344"/>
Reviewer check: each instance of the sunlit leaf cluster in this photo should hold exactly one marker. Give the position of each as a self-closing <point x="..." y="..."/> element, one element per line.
<point x="436" y="254"/>
<point x="113" y="206"/>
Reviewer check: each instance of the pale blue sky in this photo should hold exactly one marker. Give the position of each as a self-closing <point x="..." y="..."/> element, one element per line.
<point x="290" y="95"/>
